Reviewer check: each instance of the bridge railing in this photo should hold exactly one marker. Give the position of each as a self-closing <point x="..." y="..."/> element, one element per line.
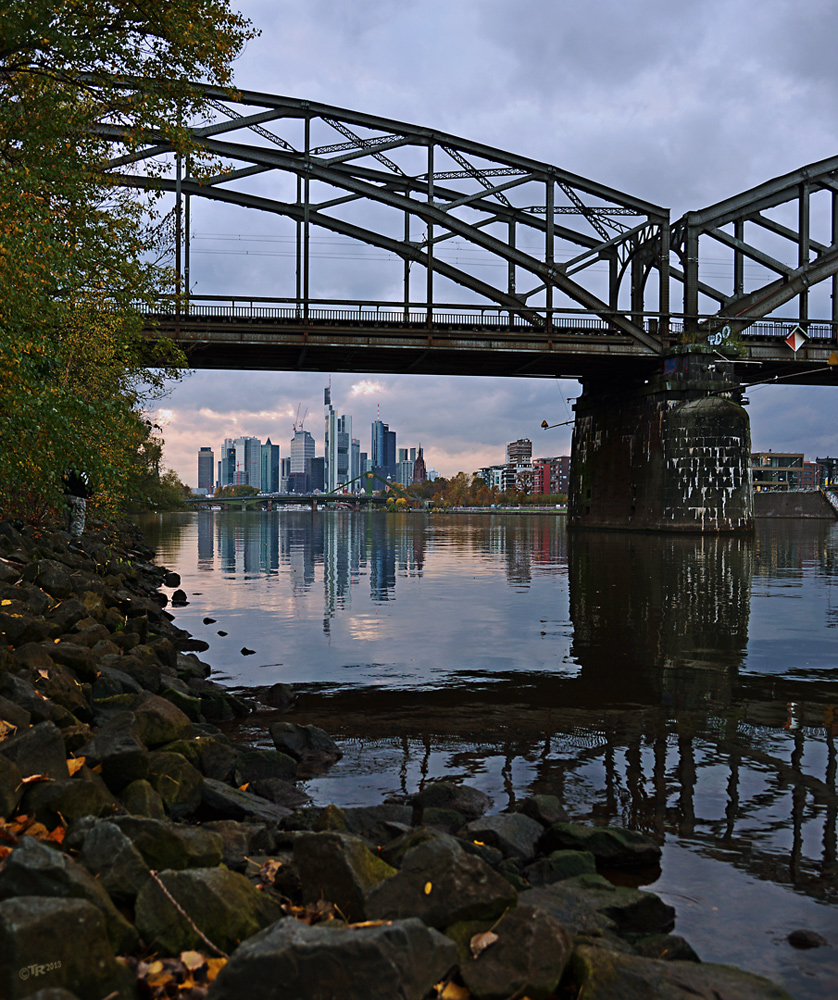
<point x="449" y="316"/>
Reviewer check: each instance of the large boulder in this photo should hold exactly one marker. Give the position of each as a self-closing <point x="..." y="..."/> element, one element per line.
<point x="589" y="903"/>
<point x="525" y="953"/>
<point x="442" y="885"/>
<point x="58" y="943"/>
<point x="177" y="783"/>
<point x="55" y="803"/>
<point x="222" y="904"/>
<point x="169" y="845"/>
<point x="612" y="846"/>
<point x="34" y="869"/>
<point x="306" y="744"/>
<point x="220" y="801"/>
<point x="603" y="974"/>
<point x="50" y="576"/>
<point x="402" y="959"/>
<point x="39" y="750"/>
<point x="470" y="802"/>
<point x="514" y="834"/>
<point x="109" y="855"/>
<point x="253" y="765"/>
<point x="340" y="868"/>
<point x="159" y="721"/>
<point x="117" y="746"/>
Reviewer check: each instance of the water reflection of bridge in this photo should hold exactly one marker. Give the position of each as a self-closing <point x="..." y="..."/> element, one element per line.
<point x="655" y="724"/>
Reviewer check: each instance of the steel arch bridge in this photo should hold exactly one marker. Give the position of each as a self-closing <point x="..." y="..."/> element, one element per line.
<point x="588" y="276"/>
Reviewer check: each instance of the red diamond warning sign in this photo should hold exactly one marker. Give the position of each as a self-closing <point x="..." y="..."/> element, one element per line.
<point x="796" y="339"/>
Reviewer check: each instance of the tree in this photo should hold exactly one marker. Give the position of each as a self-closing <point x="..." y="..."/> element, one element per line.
<point x="238" y="490"/>
<point x="77" y="256"/>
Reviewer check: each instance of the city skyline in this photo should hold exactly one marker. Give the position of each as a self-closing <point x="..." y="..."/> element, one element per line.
<point x="649" y="99"/>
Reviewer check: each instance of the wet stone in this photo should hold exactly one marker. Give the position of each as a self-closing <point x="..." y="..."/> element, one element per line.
<point x="612" y="847"/>
<point x="169" y="845"/>
<point x="141" y="799"/>
<point x="259" y="764"/>
<point x="471" y="802"/>
<point x="442" y="885"/>
<point x="42" y="935"/>
<point x="111" y="856"/>
<point x="402" y="959"/>
<point x="513" y="834"/>
<point x="39" y="750"/>
<point x="306" y="744"/>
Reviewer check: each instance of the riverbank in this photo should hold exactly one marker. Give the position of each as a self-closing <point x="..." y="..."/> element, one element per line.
<point x="131" y="819"/>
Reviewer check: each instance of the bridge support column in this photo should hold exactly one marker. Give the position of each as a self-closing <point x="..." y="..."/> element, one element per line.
<point x="668" y="454"/>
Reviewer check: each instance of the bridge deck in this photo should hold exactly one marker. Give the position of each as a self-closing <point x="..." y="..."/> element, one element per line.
<point x="345" y="340"/>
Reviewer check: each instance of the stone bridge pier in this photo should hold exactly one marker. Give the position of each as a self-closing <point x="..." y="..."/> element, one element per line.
<point x="671" y="453"/>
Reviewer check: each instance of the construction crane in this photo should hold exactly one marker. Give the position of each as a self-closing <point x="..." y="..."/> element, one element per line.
<point x="298" y="423"/>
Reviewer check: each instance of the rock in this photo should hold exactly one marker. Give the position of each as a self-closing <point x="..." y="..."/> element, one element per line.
<point x="171" y="579"/>
<point x="17" y="716"/>
<point x="544" y="809"/>
<point x="23" y="694"/>
<point x="111" y="856"/>
<point x="168" y="845"/>
<point x="159" y="722"/>
<point x="145" y="673"/>
<point x="256" y="764"/>
<point x="241" y="840"/>
<point x="141" y="799"/>
<point x="602" y="906"/>
<point x="247" y="652"/>
<point x="446" y="820"/>
<point x="53" y="681"/>
<point x="50" y="576"/>
<point x="513" y="834"/>
<point x="806" y="939"/>
<point x="34" y="869"/>
<point x="75" y="656"/>
<point x="528" y="958"/>
<point x="608" y="975"/>
<point x="401" y="960"/>
<point x="117" y="746"/>
<point x="220" y="801"/>
<point x="471" y="802"/>
<point x="68" y="614"/>
<point x="306" y="744"/>
<point x="41" y="935"/>
<point x="177" y="783"/>
<point x="39" y="750"/>
<point x="278" y="696"/>
<point x="667" y="947"/>
<point x="214" y="756"/>
<point x="612" y="846"/>
<point x="378" y="824"/>
<point x="11" y="788"/>
<point x="57" y="803"/>
<point x="222" y="904"/>
<point x="442" y="885"/>
<point x="188" y="665"/>
<point x="340" y="868"/>
<point x="558" y="866"/>
<point x="281" y="793"/>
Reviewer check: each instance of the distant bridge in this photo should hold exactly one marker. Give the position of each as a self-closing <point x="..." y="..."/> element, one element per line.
<point x="504" y="265"/>
<point x="275" y="500"/>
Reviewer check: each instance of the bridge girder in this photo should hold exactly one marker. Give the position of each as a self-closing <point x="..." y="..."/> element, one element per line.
<point x="549" y="229"/>
<point x="488" y="202"/>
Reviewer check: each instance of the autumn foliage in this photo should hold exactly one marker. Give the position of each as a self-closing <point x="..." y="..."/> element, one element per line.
<point x="78" y="256"/>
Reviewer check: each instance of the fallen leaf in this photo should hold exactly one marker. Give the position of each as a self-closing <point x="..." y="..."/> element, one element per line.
<point x="452" y="991"/>
<point x="6" y="729"/>
<point x="428" y="888"/>
<point x="480" y="942"/>
<point x="214" y="966"/>
<point x="44" y="674"/>
<point x="75" y="764"/>
<point x="243" y="788"/>
<point x="5" y="602"/>
<point x="192" y="960"/>
<point x="34" y="778"/>
<point x="4" y="851"/>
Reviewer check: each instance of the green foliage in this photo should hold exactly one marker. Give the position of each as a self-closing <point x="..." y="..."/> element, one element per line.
<point x="77" y="255"/>
<point x="239" y="490"/>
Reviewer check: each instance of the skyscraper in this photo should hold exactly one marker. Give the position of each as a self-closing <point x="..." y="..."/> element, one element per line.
<point x="419" y="472"/>
<point x="206" y="464"/>
<point x="383" y="450"/>
<point x="302" y="452"/>
<point x="248" y="467"/>
<point x="337" y="445"/>
<point x="270" y="467"/>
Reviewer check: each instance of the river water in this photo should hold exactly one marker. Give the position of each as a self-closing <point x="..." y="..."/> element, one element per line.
<point x="683" y="686"/>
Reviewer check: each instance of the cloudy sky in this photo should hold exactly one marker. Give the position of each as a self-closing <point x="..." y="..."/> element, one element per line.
<point x="678" y="104"/>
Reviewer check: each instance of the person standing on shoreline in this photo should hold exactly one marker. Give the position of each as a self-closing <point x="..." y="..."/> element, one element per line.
<point x="76" y="492"/>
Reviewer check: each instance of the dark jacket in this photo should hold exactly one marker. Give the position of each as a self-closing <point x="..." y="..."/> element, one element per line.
<point x="76" y="485"/>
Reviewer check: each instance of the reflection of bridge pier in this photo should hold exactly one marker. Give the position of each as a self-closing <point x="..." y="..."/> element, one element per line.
<point x="670" y="453"/>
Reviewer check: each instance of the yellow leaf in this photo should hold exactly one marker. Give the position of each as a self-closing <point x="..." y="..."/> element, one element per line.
<point x="451" y="991"/>
<point x="214" y="966"/>
<point x="5" y="602"/>
<point x="480" y="942"/>
<point x="75" y="764"/>
<point x="428" y="887"/>
<point x="6" y="729"/>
